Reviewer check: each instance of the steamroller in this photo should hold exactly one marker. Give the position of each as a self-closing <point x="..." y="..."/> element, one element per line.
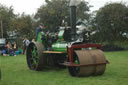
<point x="66" y="48"/>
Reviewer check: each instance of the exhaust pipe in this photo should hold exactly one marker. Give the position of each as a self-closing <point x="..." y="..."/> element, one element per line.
<point x="73" y="4"/>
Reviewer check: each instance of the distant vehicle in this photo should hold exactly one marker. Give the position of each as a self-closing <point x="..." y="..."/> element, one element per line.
<point x="2" y="43"/>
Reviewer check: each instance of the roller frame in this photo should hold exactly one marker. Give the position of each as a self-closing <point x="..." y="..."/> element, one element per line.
<point x="70" y="51"/>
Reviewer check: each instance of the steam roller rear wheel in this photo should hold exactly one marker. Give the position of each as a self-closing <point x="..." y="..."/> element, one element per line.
<point x="36" y="60"/>
<point x="86" y="57"/>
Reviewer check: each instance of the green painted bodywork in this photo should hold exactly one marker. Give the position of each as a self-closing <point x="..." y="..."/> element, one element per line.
<point x="60" y="35"/>
<point x="60" y="45"/>
<point x="39" y="37"/>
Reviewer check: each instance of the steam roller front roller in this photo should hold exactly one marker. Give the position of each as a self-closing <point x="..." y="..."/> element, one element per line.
<point x="90" y="62"/>
<point x="36" y="60"/>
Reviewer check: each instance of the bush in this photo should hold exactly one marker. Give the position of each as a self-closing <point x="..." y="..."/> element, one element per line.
<point x="123" y="44"/>
<point x="112" y="47"/>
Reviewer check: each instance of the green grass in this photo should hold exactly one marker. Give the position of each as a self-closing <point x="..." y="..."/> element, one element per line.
<point x="15" y="72"/>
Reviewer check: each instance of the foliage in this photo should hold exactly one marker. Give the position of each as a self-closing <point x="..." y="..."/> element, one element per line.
<point x="15" y="72"/>
<point x="6" y="16"/>
<point x="112" y="47"/>
<point x="24" y="26"/>
<point x="123" y="44"/>
<point x="111" y="22"/>
<point x="55" y="11"/>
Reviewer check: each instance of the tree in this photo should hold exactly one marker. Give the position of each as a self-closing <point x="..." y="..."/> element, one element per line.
<point x="111" y="22"/>
<point x="23" y="26"/>
<point x="55" y="11"/>
<point x="6" y="16"/>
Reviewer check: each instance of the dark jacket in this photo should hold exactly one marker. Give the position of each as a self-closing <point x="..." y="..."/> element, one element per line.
<point x="38" y="29"/>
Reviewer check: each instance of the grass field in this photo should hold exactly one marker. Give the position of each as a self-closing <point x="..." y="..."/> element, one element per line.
<point x="15" y="72"/>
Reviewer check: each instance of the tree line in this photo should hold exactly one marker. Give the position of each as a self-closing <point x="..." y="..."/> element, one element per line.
<point x="109" y="23"/>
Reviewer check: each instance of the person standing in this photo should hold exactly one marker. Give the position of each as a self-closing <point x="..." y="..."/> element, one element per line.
<point x="39" y="29"/>
<point x="25" y="44"/>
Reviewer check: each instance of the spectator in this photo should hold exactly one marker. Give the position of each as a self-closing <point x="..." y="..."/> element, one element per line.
<point x="3" y="52"/>
<point x="10" y="50"/>
<point x="15" y="47"/>
<point x="9" y="47"/>
<point x="25" y="44"/>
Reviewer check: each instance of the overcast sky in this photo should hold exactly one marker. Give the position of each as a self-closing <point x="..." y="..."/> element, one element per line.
<point x="31" y="6"/>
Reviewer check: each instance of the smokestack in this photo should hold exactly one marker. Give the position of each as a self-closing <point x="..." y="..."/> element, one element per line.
<point x="73" y="4"/>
